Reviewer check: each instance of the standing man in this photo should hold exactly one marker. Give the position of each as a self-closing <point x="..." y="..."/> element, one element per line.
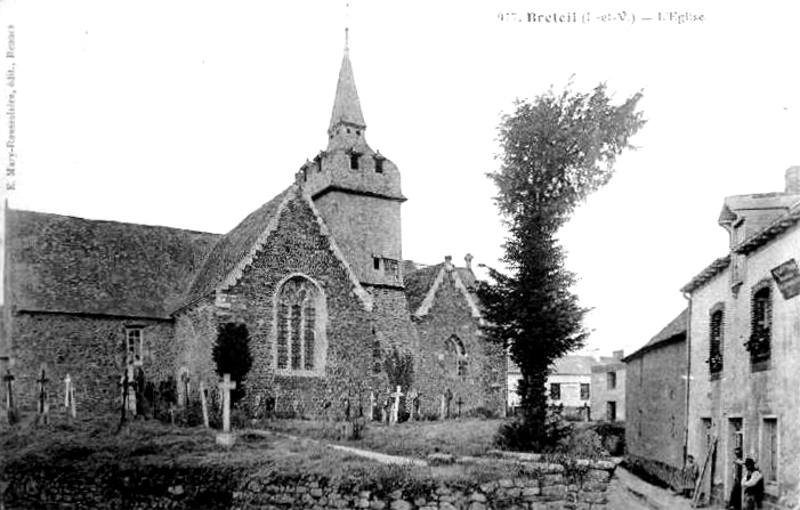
<point x="753" y="484"/>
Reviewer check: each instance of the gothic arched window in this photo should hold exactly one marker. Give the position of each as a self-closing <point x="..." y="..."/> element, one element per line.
<point x="456" y="350"/>
<point x="300" y="329"/>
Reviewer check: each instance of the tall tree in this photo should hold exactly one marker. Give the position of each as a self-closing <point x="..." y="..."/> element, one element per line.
<point x="556" y="150"/>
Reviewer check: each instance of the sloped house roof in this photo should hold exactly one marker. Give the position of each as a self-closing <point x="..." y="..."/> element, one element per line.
<point x="675" y="331"/>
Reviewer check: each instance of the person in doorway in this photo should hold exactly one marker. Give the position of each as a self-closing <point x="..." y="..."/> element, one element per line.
<point x="735" y="501"/>
<point x="753" y="484"/>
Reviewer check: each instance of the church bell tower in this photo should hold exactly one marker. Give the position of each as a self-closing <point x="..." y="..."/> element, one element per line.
<point x="357" y="190"/>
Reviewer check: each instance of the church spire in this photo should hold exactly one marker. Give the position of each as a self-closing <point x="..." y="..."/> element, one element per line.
<point x="346" y="106"/>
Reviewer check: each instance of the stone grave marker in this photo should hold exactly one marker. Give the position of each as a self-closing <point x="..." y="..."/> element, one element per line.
<point x="69" y="396"/>
<point x="442" y="407"/>
<point x="414" y="399"/>
<point x="459" y="403"/>
<point x="395" y="406"/>
<point x="448" y="397"/>
<point x="204" y="404"/>
<point x="225" y="437"/>
<point x="371" y="406"/>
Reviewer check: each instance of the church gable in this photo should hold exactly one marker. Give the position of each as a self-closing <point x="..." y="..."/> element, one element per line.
<point x="308" y="317"/>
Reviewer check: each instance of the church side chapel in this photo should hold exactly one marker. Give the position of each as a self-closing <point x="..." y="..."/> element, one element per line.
<point x="337" y="324"/>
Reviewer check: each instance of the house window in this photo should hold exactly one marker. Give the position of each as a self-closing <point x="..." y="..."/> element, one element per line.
<point x="555" y="391"/>
<point x="299" y="329"/>
<point x="769" y="450"/>
<point x="715" y="344"/>
<point x="354" y="156"/>
<point x="134" y="341"/>
<point x="611" y="411"/>
<point x="611" y="380"/>
<point x="457" y="350"/>
<point x="585" y="395"/>
<point x="760" y="340"/>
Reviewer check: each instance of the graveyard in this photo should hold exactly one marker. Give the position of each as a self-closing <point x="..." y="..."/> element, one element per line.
<point x="59" y="457"/>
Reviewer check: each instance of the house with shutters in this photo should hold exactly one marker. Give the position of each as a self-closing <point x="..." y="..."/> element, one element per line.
<point x="744" y="349"/>
<point x="316" y="275"/>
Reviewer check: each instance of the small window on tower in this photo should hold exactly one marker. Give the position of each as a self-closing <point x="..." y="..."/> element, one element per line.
<point x="376" y="263"/>
<point x="318" y="163"/>
<point x="379" y="165"/>
<point x="354" y="160"/>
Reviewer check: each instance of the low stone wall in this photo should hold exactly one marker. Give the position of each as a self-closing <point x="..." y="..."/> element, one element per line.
<point x="580" y="485"/>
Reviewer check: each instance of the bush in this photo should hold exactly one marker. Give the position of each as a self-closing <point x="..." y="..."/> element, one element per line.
<point x="481" y="412"/>
<point x="517" y="434"/>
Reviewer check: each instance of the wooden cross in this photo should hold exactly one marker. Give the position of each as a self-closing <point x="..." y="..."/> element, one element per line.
<point x="124" y="384"/>
<point x="185" y="380"/>
<point x="225" y="388"/>
<point x="460" y="403"/>
<point x="8" y="378"/>
<point x="43" y="380"/>
<point x="396" y="405"/>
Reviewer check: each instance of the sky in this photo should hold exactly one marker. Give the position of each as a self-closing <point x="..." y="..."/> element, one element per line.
<point x="193" y="114"/>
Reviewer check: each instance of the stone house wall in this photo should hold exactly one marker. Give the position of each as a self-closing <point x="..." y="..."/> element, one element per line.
<point x="602" y="393"/>
<point x="655" y="418"/>
<point x="740" y="393"/>
<point x="91" y="349"/>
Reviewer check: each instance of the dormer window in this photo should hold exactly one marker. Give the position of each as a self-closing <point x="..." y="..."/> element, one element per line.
<point x="354" y="160"/>
<point x="378" y="165"/>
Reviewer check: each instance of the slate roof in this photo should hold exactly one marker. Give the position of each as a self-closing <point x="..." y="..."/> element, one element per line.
<point x="707" y="274"/>
<point x="574" y="365"/>
<point x="672" y="332"/>
<point x="232" y="248"/>
<point x="346" y="106"/>
<point x="770" y="232"/>
<point x="75" y="265"/>
<point x="418" y="283"/>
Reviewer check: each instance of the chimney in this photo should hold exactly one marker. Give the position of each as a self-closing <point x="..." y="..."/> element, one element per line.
<point x="468" y="260"/>
<point x="793" y="180"/>
<point x="618" y="354"/>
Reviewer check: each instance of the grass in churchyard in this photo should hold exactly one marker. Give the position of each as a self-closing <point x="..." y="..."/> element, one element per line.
<point x="462" y="437"/>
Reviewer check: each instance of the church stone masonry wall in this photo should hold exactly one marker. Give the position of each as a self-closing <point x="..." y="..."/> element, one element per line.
<point x="90" y="349"/>
<point x="450" y="315"/>
<point x="298" y="246"/>
<point x="195" y="335"/>
<point x="365" y="227"/>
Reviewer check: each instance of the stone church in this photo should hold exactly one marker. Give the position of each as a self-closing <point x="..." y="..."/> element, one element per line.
<point x="316" y="275"/>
